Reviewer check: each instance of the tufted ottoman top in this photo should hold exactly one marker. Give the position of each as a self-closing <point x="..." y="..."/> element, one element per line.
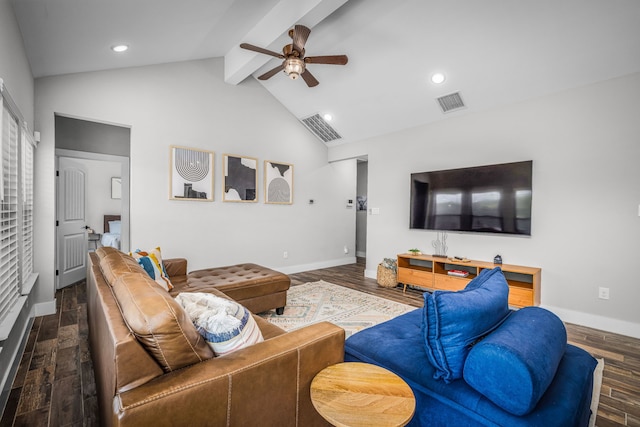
<point x="240" y="281"/>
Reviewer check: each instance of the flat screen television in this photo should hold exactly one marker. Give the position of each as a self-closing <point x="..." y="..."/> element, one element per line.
<point x="486" y="199"/>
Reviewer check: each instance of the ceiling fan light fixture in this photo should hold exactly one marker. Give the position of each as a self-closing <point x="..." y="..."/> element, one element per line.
<point x="294" y="67"/>
<point x="294" y="62"/>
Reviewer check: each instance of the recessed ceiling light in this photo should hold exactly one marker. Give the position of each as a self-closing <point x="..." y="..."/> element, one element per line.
<point x="437" y="78"/>
<point x="120" y="48"/>
<point x="328" y="117"/>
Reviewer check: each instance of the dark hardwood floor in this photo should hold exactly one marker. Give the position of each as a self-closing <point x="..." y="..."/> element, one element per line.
<point x="55" y="386"/>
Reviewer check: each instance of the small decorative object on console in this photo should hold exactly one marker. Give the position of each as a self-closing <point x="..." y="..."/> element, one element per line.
<point x="458" y="273"/>
<point x="440" y="245"/>
<point x="497" y="259"/>
<point x="415" y="251"/>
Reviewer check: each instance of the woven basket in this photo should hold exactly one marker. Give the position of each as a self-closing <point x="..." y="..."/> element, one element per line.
<point x="386" y="277"/>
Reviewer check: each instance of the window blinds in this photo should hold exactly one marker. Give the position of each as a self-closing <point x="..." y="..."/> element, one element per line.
<point x="9" y="275"/>
<point x="26" y="156"/>
<point x="17" y="149"/>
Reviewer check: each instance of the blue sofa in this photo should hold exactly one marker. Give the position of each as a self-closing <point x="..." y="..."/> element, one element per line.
<point x="471" y="361"/>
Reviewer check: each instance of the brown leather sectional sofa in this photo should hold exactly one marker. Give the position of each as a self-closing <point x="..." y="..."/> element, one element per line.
<point x="153" y="368"/>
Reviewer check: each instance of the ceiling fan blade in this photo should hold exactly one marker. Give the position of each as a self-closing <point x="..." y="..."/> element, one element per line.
<point x="309" y="79"/>
<point x="330" y="59"/>
<point x="261" y="50"/>
<point x="271" y="73"/>
<point x="300" y="36"/>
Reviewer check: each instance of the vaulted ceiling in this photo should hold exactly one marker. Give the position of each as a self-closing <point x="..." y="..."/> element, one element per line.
<point x="493" y="52"/>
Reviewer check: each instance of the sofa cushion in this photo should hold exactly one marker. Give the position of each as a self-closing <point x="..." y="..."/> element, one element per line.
<point x="115" y="264"/>
<point x="103" y="251"/>
<point x="175" y="267"/>
<point x="454" y="321"/>
<point x="226" y="325"/>
<point x="159" y="322"/>
<point x="151" y="262"/>
<point x="514" y="365"/>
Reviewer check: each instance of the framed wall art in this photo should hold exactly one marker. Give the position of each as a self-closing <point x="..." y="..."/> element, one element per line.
<point x="191" y="174"/>
<point x="240" y="178"/>
<point x="116" y="187"/>
<point x="278" y="182"/>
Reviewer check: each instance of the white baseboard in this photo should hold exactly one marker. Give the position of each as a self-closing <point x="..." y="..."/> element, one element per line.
<point x="371" y="274"/>
<point x="602" y="323"/>
<point x="44" y="308"/>
<point x="361" y="254"/>
<point x="315" y="266"/>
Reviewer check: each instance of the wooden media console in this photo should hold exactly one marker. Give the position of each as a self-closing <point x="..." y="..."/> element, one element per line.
<point x="432" y="273"/>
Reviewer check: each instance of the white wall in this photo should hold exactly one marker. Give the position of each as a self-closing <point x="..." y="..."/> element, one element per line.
<point x="188" y="104"/>
<point x="14" y="66"/>
<point x="585" y="147"/>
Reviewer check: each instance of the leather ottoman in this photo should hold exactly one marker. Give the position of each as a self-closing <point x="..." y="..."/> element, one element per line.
<point x="255" y="287"/>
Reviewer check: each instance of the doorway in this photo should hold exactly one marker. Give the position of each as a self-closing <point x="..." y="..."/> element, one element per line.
<point x="86" y="173"/>
<point x="84" y="197"/>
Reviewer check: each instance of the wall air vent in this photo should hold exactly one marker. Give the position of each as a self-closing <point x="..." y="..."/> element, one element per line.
<point x="451" y="102"/>
<point x="320" y="128"/>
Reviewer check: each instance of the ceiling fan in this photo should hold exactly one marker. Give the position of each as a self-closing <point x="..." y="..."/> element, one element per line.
<point x="294" y="62"/>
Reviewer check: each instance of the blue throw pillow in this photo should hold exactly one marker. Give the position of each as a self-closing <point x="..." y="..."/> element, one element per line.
<point x="454" y="321"/>
<point x="515" y="364"/>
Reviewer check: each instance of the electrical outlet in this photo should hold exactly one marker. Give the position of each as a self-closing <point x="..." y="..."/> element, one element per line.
<point x="285" y="254"/>
<point x="603" y="293"/>
<point x="346" y="249"/>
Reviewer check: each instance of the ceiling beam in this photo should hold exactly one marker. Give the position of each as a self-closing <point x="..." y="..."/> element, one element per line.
<point x="272" y="30"/>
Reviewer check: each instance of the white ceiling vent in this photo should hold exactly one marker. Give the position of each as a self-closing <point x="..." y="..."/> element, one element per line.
<point x="451" y="102"/>
<point x="320" y="128"/>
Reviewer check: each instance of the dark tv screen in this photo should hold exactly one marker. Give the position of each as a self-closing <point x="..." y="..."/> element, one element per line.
<point x="486" y="199"/>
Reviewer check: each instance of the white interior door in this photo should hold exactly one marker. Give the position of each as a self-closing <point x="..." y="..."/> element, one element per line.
<point x="71" y="231"/>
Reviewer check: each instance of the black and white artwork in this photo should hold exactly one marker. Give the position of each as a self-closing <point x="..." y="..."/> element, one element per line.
<point x="278" y="183"/>
<point x="191" y="174"/>
<point x="240" y="179"/>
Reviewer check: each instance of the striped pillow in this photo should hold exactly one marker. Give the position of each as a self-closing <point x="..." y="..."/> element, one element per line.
<point x="151" y="261"/>
<point x="226" y="325"/>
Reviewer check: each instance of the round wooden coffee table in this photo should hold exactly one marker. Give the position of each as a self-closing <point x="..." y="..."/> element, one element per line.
<point x="360" y="394"/>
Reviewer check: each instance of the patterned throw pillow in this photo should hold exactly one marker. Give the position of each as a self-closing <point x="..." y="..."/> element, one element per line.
<point x="226" y="325"/>
<point x="152" y="263"/>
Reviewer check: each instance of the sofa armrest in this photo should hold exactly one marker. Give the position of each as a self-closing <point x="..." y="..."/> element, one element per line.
<point x="175" y="266"/>
<point x="269" y="381"/>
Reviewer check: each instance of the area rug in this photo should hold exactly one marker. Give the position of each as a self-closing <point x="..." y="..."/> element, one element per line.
<point x="323" y="301"/>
